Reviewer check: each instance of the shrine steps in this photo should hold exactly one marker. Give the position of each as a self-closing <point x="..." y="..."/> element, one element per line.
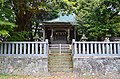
<point x="60" y="63"/>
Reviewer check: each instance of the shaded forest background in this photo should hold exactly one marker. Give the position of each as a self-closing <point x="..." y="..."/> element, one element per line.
<point x="95" y="18"/>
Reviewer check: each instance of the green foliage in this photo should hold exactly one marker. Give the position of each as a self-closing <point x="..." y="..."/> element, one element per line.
<point x="6" y="11"/>
<point x="7" y="19"/>
<point x="26" y="10"/>
<point x="2" y="3"/>
<point x="5" y="28"/>
<point x="18" y="36"/>
<point x="98" y="18"/>
<point x="22" y="12"/>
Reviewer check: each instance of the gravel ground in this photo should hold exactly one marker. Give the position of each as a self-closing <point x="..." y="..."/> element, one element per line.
<point x="63" y="76"/>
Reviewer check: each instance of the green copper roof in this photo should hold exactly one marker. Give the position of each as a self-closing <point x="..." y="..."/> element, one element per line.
<point x="64" y="19"/>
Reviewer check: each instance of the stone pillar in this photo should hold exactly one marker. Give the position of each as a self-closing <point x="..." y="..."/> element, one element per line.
<point x="51" y="37"/>
<point x="68" y="36"/>
<point x="43" y="34"/>
<point x="107" y="47"/>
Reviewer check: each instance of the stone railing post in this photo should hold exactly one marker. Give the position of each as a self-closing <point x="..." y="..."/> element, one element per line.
<point x="118" y="48"/>
<point x="73" y="46"/>
<point x="47" y="46"/>
<point x="107" y="47"/>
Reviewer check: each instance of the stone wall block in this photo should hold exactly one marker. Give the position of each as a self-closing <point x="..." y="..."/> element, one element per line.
<point x="96" y="66"/>
<point x="35" y="66"/>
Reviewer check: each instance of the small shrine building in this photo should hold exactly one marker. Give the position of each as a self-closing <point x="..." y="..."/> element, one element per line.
<point x="60" y="30"/>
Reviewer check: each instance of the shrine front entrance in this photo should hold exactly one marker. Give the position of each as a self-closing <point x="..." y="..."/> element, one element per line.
<point x="59" y="36"/>
<point x="59" y="33"/>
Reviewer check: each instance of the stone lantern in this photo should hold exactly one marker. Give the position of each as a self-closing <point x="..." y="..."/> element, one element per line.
<point x="107" y="38"/>
<point x="83" y="38"/>
<point x="36" y="38"/>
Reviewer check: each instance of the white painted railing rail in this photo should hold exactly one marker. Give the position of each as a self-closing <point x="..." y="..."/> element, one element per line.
<point x="24" y="48"/>
<point x="89" y="48"/>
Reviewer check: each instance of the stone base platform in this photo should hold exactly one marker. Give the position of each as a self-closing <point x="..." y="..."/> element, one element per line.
<point x="35" y="66"/>
<point x="96" y="65"/>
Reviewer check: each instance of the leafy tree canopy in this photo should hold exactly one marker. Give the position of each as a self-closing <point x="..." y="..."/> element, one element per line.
<point x="5" y="28"/>
<point x="26" y="10"/>
<point x="6" y="19"/>
<point x="23" y="12"/>
<point x="98" y="18"/>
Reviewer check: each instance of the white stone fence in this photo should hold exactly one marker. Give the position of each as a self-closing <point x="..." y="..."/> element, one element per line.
<point x="24" y="48"/>
<point x="89" y="48"/>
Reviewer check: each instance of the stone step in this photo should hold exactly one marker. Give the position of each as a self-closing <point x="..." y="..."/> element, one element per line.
<point x="61" y="60"/>
<point x="58" y="45"/>
<point x="60" y="66"/>
<point x="62" y="74"/>
<point x="59" y="63"/>
<point x="58" y="50"/>
<point x="60" y="69"/>
<point x="58" y="59"/>
<point x="60" y="56"/>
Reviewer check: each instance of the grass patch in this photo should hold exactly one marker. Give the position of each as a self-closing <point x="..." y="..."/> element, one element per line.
<point x="7" y="76"/>
<point x="4" y="76"/>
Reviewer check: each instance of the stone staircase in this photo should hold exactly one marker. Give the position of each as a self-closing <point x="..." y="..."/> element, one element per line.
<point x="60" y="63"/>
